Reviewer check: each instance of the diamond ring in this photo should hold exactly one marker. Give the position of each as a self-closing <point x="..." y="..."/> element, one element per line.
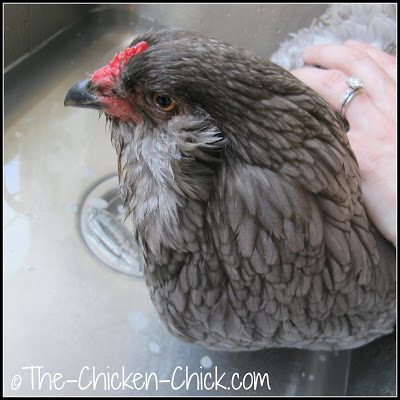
<point x="355" y="87"/>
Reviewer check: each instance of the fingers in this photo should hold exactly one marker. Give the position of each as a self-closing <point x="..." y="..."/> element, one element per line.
<point x="331" y="85"/>
<point x="371" y="115"/>
<point x="354" y="61"/>
<point x="376" y="158"/>
<point x="386" y="61"/>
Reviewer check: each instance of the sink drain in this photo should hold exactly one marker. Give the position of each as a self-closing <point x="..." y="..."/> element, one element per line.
<point x="104" y="230"/>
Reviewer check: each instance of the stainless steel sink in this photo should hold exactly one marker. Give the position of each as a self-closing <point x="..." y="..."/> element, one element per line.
<point x="64" y="310"/>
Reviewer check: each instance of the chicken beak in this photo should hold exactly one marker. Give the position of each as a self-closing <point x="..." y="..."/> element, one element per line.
<point x="81" y="95"/>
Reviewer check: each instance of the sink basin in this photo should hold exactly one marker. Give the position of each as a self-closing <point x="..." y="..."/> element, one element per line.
<point x="66" y="312"/>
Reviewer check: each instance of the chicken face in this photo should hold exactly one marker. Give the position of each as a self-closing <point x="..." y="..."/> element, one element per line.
<point x="128" y="90"/>
<point x="105" y="91"/>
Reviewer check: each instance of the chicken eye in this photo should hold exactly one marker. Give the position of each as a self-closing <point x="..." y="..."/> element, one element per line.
<point x="164" y="103"/>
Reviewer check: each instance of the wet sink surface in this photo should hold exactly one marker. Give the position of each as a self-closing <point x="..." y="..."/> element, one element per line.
<point x="65" y="311"/>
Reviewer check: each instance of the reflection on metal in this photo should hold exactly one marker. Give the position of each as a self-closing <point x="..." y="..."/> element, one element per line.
<point x="106" y="232"/>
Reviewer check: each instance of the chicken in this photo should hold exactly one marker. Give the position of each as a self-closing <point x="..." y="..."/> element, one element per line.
<point x="245" y="197"/>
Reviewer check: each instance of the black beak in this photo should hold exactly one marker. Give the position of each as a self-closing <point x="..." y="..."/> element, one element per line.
<point x="81" y="95"/>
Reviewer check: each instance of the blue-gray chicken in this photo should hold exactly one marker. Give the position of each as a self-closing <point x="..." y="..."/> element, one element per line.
<point x="245" y="197"/>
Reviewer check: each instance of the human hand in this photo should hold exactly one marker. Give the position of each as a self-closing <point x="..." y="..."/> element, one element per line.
<point x="371" y="115"/>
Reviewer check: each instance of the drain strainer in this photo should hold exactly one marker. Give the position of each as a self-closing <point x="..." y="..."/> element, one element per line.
<point x="105" y="231"/>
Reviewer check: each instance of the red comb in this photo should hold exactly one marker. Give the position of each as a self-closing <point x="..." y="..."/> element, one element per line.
<point x="113" y="67"/>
